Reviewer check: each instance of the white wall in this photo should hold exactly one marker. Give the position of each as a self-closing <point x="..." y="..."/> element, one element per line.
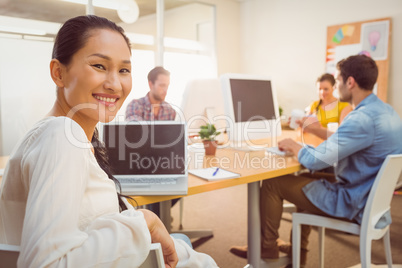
<point x="26" y="89"/>
<point x="179" y="22"/>
<point x="286" y="39"/>
<point x="227" y="29"/>
<point x="228" y="36"/>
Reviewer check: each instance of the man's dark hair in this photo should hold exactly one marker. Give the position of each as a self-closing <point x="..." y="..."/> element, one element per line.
<point x="153" y="74"/>
<point x="362" y="68"/>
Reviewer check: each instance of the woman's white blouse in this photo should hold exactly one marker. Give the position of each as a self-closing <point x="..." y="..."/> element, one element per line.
<point x="62" y="209"/>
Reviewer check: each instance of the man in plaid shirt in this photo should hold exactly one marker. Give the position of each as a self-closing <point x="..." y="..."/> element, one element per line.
<point x="153" y="106"/>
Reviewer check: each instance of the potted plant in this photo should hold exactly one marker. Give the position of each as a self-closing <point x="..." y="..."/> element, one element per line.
<point x="208" y="134"/>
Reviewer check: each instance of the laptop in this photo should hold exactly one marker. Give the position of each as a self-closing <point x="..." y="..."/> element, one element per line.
<point x="148" y="157"/>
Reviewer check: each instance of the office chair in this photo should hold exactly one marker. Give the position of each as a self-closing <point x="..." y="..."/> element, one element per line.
<point x="378" y="204"/>
<point x="9" y="256"/>
<point x="155" y="257"/>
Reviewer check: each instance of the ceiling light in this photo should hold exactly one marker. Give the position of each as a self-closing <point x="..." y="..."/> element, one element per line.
<point x="12" y="29"/>
<point x="127" y="10"/>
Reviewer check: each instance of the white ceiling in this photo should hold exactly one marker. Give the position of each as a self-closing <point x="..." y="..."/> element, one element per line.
<point x="59" y="11"/>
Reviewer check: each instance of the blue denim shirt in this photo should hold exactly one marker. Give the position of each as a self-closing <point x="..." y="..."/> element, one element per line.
<point x="357" y="150"/>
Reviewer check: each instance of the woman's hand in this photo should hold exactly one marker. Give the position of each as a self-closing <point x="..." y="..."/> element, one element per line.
<point x="159" y="234"/>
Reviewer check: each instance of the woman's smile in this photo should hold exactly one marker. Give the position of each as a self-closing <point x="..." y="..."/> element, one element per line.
<point x="106" y="99"/>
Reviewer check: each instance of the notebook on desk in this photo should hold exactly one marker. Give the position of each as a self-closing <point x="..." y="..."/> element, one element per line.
<point x="214" y="174"/>
<point x="148" y="158"/>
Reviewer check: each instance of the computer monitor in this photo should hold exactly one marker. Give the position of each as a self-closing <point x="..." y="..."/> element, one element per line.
<point x="202" y="103"/>
<point x="251" y="107"/>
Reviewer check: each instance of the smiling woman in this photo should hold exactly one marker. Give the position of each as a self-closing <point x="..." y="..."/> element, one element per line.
<point x="58" y="198"/>
<point x="103" y="69"/>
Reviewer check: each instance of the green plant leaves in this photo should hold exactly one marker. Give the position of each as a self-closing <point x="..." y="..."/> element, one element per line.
<point x="208" y="132"/>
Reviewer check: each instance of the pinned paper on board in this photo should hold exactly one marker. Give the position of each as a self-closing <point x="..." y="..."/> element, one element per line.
<point x="374" y="39"/>
<point x="342" y="52"/>
<point x="330" y="53"/>
<point x="330" y="64"/>
<point x="345" y="30"/>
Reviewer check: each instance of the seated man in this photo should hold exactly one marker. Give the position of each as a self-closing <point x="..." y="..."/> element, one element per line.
<point x="358" y="148"/>
<point x="153" y="106"/>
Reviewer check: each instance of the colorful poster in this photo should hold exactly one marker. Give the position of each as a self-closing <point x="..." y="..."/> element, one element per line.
<point x="345" y="30"/>
<point x="374" y="38"/>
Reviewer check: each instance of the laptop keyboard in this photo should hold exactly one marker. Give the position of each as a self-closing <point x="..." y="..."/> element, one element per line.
<point x="149" y="180"/>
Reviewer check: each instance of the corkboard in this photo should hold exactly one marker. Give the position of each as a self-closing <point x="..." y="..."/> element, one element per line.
<point x="347" y="37"/>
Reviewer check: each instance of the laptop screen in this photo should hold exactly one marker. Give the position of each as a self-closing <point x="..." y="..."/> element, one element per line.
<point x="146" y="148"/>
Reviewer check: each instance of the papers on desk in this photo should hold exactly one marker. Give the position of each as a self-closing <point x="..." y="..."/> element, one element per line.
<point x="210" y="174"/>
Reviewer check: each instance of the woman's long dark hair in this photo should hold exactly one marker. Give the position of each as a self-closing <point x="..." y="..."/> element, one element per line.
<point x="71" y="37"/>
<point x="103" y="161"/>
<point x="75" y="32"/>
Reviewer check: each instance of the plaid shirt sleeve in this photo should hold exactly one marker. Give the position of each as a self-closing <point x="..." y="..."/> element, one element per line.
<point x="166" y="112"/>
<point x="135" y="111"/>
<point x="141" y="109"/>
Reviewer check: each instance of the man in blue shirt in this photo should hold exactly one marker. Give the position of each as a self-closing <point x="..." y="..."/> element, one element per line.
<point x="357" y="150"/>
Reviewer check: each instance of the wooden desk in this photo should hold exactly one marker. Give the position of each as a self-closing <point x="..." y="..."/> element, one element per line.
<point x="249" y="172"/>
<point x="253" y="166"/>
<point x="226" y="158"/>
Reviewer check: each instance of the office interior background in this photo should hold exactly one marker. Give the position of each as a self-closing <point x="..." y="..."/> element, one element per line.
<point x="282" y="39"/>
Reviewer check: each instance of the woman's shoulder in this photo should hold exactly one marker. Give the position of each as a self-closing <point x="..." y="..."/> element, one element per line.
<point x="49" y="138"/>
<point x="313" y="106"/>
<point x="56" y="132"/>
<point x="60" y="126"/>
<point x="342" y="105"/>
